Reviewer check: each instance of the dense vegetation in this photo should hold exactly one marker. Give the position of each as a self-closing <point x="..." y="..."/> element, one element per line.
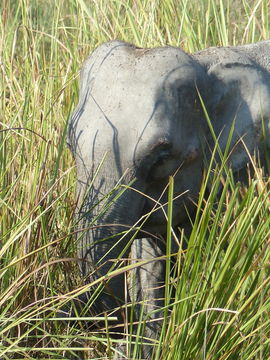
<point x="221" y="308"/>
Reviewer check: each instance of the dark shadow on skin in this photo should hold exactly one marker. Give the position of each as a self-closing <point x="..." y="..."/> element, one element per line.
<point x="156" y="106"/>
<point x="161" y="102"/>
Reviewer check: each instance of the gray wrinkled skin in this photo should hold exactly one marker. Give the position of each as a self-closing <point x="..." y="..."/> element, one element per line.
<point x="139" y="114"/>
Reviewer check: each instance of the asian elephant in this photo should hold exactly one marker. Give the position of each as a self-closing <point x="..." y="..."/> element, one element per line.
<point x="139" y="120"/>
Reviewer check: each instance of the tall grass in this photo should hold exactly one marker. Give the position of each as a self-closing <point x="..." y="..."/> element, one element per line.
<point x="221" y="305"/>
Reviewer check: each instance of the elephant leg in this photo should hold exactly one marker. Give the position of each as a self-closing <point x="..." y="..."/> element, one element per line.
<point x="146" y="288"/>
<point x="146" y="292"/>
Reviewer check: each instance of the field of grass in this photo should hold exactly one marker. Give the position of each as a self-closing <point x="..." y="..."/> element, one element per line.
<point x="221" y="308"/>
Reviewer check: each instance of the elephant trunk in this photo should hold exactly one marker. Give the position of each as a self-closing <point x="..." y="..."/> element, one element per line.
<point x="104" y="240"/>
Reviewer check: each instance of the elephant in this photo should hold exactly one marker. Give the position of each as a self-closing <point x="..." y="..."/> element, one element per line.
<point x="141" y="118"/>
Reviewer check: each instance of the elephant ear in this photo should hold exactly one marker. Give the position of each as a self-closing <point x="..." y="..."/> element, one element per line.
<point x="240" y="98"/>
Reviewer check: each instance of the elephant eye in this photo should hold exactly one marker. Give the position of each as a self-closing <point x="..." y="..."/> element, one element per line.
<point x="186" y="95"/>
<point x="185" y="89"/>
<point x="160" y="159"/>
<point x="164" y="155"/>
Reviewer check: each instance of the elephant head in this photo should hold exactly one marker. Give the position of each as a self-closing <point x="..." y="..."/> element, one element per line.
<point x="138" y="121"/>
